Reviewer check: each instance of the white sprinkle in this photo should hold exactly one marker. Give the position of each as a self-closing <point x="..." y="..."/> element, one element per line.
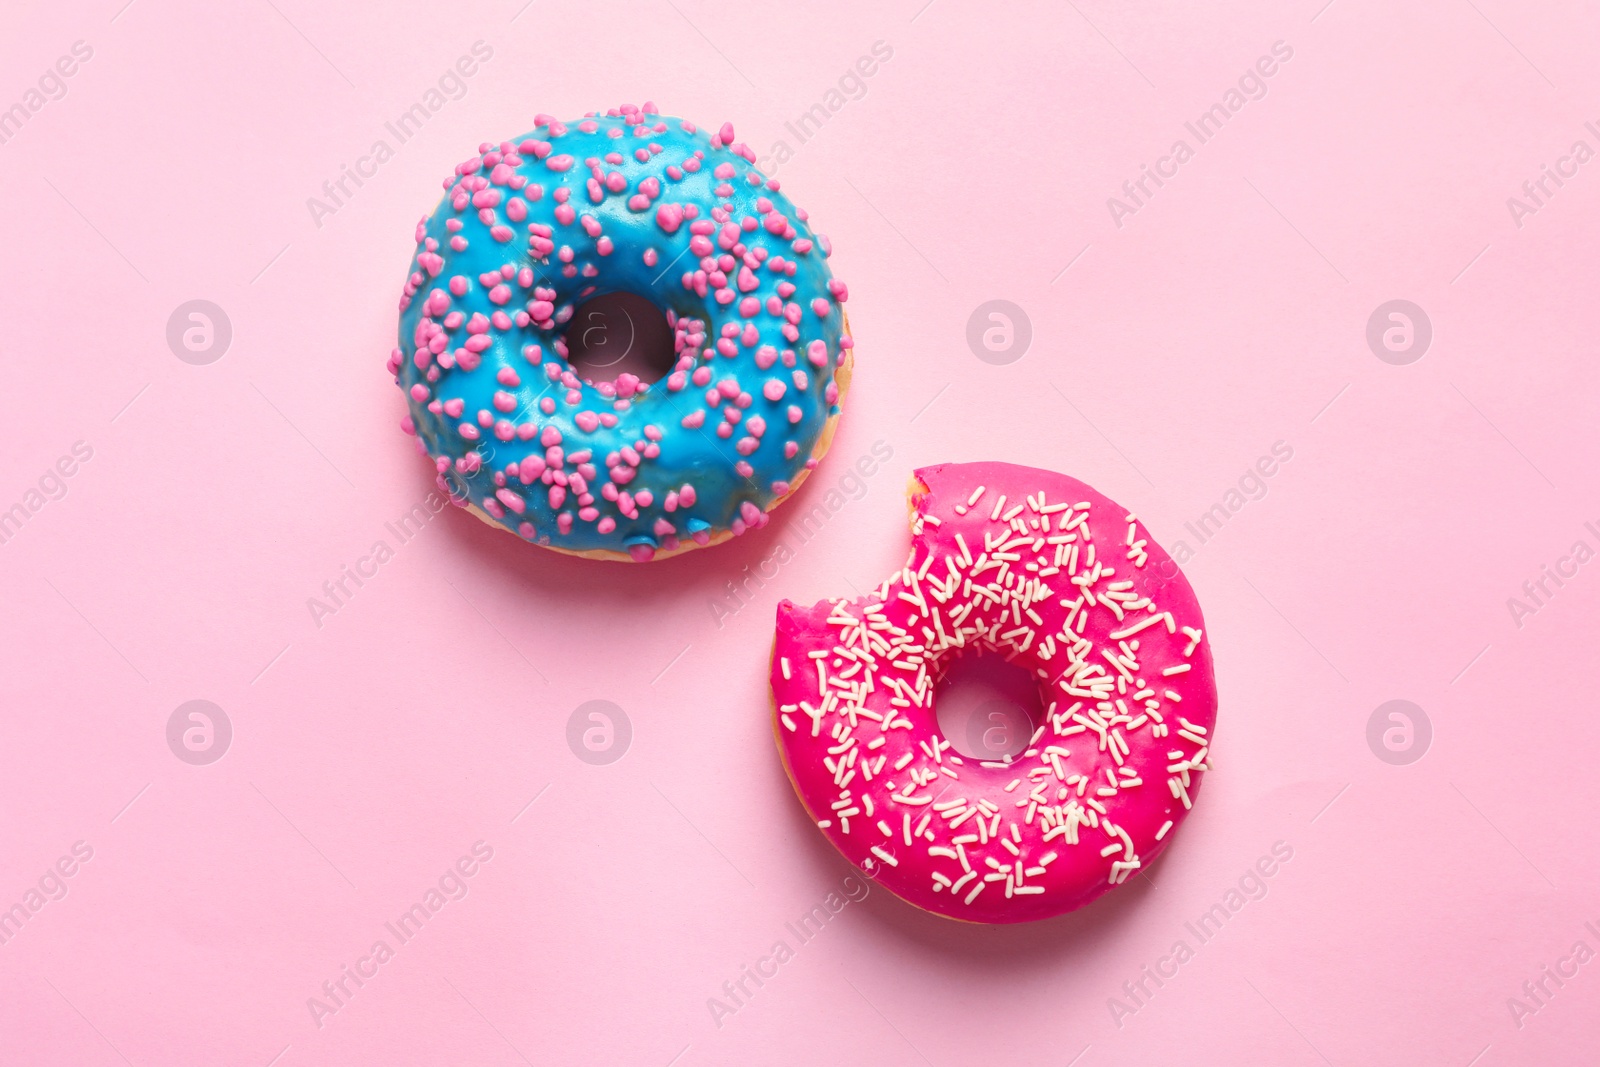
<point x="1148" y="620"/>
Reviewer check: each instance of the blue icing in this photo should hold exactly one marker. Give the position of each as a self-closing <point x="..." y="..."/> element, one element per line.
<point x="506" y="206"/>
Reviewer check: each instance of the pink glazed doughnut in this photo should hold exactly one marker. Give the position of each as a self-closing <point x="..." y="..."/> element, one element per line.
<point x="1060" y="580"/>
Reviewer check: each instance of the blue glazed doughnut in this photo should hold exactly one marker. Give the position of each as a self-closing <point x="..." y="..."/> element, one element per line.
<point x="629" y="201"/>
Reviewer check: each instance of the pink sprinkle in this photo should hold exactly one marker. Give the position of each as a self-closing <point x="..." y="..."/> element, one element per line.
<point x="588" y="421"/>
<point x="511" y="500"/>
<point x="726" y="133"/>
<point x="558" y="163"/>
<point x="774" y="389"/>
<point x="686" y="495"/>
<point x="820" y="307"/>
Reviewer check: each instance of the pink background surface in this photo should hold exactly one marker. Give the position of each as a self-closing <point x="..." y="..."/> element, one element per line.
<point x="368" y="754"/>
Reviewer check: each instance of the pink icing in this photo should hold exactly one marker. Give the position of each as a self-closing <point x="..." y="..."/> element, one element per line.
<point x="1001" y="562"/>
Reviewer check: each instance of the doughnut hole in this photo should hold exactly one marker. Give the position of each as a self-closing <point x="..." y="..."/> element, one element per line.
<point x="988" y="708"/>
<point x="613" y="334"/>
